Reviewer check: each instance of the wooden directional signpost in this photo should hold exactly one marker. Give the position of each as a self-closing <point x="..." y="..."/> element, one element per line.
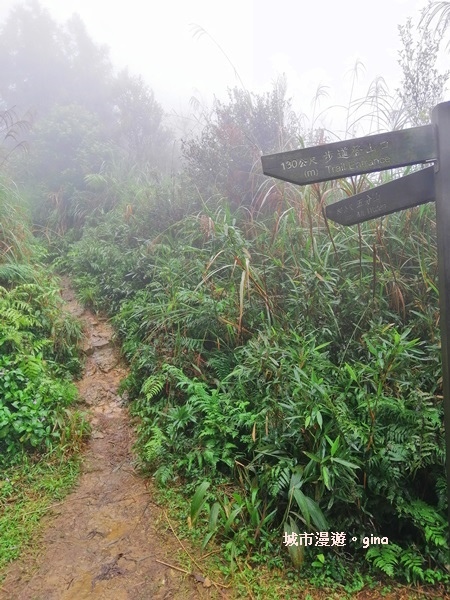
<point x="418" y="145"/>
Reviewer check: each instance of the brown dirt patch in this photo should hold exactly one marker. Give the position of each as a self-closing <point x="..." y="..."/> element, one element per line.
<point x="105" y="539"/>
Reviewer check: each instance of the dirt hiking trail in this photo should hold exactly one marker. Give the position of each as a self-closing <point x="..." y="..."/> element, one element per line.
<point x="105" y="539"/>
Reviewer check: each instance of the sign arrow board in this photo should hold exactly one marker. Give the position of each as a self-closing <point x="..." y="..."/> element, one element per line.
<point x="353" y="157"/>
<point x="410" y="190"/>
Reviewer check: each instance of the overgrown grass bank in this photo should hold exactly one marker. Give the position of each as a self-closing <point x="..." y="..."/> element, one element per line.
<point x="287" y="371"/>
<point x="273" y="578"/>
<point x="28" y="491"/>
<point x="40" y="425"/>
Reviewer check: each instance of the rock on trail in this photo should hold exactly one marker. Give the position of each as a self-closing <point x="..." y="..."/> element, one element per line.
<point x="104" y="540"/>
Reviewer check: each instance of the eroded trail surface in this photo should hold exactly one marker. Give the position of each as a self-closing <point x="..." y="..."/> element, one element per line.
<point x="105" y="540"/>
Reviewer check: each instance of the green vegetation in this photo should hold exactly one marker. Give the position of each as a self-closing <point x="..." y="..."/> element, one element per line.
<point x="28" y="491"/>
<point x="285" y="371"/>
<point x="40" y="426"/>
<point x="37" y="343"/>
<point x="300" y="363"/>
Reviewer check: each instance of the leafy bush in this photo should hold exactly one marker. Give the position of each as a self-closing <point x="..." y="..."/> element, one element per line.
<point x="304" y="369"/>
<point x="38" y="353"/>
<point x="32" y="404"/>
<point x="292" y="358"/>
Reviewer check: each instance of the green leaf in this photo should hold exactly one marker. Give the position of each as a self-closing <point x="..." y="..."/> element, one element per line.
<point x="319" y="418"/>
<point x="341" y="461"/>
<point x="231" y="518"/>
<point x="296" y="552"/>
<point x="317" y="515"/>
<point x="213" y="516"/>
<point x="198" y="502"/>
<point x="312" y="456"/>
<point x="335" y="446"/>
<point x="207" y="537"/>
<point x="326" y="477"/>
<point x="300" y="498"/>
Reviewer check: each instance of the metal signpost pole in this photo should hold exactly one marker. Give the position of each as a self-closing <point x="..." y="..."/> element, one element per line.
<point x="441" y="120"/>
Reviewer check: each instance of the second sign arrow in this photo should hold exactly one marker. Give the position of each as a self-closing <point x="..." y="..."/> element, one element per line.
<point x="410" y="190"/>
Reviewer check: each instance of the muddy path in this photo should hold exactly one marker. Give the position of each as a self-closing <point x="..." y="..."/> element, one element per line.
<point x="107" y="539"/>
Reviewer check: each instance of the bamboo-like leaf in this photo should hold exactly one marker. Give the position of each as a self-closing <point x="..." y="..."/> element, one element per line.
<point x="346" y="463"/>
<point x="244" y="278"/>
<point x="234" y="513"/>
<point x="312" y="456"/>
<point x="326" y="477"/>
<point x="296" y="551"/>
<point x="335" y="446"/>
<point x="213" y="516"/>
<point x="300" y="498"/>
<point x="197" y="502"/>
<point x="316" y="514"/>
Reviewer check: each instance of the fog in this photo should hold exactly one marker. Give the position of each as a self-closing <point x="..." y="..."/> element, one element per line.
<point x="198" y="50"/>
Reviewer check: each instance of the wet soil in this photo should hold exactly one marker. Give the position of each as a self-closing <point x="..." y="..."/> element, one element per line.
<point x="107" y="540"/>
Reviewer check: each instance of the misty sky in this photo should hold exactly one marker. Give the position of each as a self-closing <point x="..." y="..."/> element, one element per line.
<point x="314" y="43"/>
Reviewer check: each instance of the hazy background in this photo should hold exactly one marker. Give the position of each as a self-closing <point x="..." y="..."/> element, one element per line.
<point x="313" y="43"/>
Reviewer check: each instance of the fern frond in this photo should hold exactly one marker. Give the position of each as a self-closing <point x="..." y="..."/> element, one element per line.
<point x="413" y="563"/>
<point x="11" y="273"/>
<point x="384" y="557"/>
<point x="152" y="386"/>
<point x="222" y="364"/>
<point x="32" y="367"/>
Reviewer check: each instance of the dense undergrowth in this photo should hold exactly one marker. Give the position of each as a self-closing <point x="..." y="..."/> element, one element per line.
<point x="38" y="354"/>
<point x="286" y="369"/>
<point x="40" y="426"/>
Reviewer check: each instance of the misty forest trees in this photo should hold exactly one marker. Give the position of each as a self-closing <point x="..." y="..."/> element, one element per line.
<point x="139" y="122"/>
<point x="44" y="64"/>
<point x="422" y="84"/>
<point x="224" y="158"/>
<point x="86" y="119"/>
<point x="81" y="114"/>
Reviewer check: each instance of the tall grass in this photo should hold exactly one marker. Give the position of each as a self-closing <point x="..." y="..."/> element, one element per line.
<point x="284" y="368"/>
<point x="286" y="353"/>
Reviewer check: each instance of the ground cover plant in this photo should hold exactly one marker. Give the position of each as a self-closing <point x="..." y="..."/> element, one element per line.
<point x="37" y="340"/>
<point x="299" y="361"/>
<point x="27" y="491"/>
<point x="40" y="426"/>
